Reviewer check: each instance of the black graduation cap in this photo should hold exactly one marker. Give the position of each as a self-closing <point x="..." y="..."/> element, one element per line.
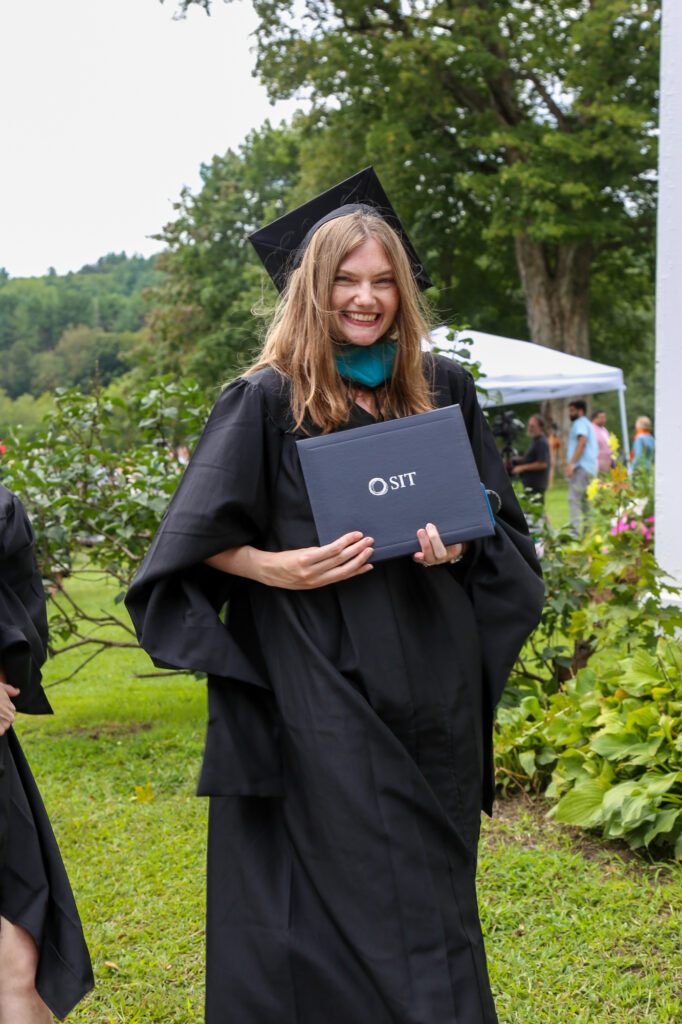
<point x="281" y="244"/>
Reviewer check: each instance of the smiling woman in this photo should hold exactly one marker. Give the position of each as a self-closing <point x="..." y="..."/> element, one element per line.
<point x="350" y="705"/>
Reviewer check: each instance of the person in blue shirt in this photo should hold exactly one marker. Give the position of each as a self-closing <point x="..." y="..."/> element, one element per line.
<point x="583" y="453"/>
<point x="643" y="446"/>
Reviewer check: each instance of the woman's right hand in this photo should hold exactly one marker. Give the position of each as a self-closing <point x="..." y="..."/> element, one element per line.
<point x="300" y="568"/>
<point x="7" y="708"/>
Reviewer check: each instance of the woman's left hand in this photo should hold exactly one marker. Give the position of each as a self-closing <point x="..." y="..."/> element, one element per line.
<point x="433" y="551"/>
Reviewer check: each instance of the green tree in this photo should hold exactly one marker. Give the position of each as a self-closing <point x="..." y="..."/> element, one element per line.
<point x="622" y="327"/>
<point x="18" y="369"/>
<point x="201" y="318"/>
<point x="24" y="414"/>
<point x="55" y="330"/>
<point x="528" y="125"/>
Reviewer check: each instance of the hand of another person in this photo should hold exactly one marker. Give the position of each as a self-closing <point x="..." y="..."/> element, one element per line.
<point x="433" y="550"/>
<point x="7" y="708"/>
<point x="569" y="471"/>
<point x="300" y="568"/>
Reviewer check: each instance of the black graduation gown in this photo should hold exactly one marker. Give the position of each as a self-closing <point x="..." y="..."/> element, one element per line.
<point x="348" y="748"/>
<point x="34" y="887"/>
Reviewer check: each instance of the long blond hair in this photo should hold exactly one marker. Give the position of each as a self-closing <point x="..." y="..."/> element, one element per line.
<point x="299" y="342"/>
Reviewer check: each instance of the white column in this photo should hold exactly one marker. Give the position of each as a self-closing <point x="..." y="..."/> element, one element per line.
<point x="668" y="423"/>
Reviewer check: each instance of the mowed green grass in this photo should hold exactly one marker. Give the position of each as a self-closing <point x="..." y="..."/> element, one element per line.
<point x="575" y="931"/>
<point x="556" y="504"/>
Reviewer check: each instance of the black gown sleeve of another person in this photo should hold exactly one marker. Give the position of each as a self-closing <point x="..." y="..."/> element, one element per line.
<point x="175" y="601"/>
<point x="501" y="574"/>
<point x="23" y="620"/>
<point x="34" y="888"/>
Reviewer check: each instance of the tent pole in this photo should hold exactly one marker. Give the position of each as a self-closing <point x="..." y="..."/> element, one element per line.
<point x="624" y="424"/>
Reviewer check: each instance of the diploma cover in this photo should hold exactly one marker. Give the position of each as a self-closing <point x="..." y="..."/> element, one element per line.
<point x="389" y="479"/>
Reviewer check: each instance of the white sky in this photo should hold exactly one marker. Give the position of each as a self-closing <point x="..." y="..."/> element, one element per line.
<point x="107" y="108"/>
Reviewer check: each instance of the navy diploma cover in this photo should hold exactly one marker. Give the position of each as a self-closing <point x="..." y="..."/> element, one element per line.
<point x="389" y="479"/>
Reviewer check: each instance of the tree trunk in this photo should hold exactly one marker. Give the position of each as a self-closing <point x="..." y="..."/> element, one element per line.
<point x="557" y="298"/>
<point x="557" y="293"/>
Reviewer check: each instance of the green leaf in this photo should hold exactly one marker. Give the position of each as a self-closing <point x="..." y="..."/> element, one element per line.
<point x="585" y="681"/>
<point x="641" y="674"/>
<point x="636" y="809"/>
<point x="530" y="707"/>
<point x="656" y="785"/>
<point x="582" y="805"/>
<point x="623" y="745"/>
<point x="545" y="756"/>
<point x="664" y="821"/>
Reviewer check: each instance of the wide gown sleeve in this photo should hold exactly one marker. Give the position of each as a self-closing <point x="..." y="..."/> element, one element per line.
<point x="175" y="600"/>
<point x="23" y="619"/>
<point x="503" y="577"/>
<point x="221" y="502"/>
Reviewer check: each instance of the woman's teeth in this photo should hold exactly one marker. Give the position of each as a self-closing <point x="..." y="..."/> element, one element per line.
<point x="363" y="317"/>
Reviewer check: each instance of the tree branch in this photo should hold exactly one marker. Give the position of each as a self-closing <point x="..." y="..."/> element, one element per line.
<point x="529" y="675"/>
<point x="551" y="104"/>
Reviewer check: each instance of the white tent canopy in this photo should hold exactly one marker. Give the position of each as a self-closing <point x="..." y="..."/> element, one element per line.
<point x="519" y="371"/>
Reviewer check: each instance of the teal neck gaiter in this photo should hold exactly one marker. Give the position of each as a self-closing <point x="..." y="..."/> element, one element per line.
<point x="370" y="365"/>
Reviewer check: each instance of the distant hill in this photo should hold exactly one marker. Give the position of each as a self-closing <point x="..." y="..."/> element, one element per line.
<point x="59" y="330"/>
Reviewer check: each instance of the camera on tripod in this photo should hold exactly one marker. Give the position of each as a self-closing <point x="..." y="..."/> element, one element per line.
<point x="506" y="426"/>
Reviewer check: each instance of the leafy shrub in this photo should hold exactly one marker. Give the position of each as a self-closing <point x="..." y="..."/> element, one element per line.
<point x="608" y="746"/>
<point x="603" y="591"/>
<point x="95" y="504"/>
<point x="593" y="714"/>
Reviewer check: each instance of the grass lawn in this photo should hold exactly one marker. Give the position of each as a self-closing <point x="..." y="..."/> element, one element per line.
<point x="556" y="503"/>
<point x="576" y="931"/>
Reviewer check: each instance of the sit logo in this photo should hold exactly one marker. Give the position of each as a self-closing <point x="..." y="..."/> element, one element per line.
<point x="378" y="486"/>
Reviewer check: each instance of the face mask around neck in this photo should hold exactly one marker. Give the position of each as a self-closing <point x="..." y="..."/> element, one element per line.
<point x="370" y="365"/>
